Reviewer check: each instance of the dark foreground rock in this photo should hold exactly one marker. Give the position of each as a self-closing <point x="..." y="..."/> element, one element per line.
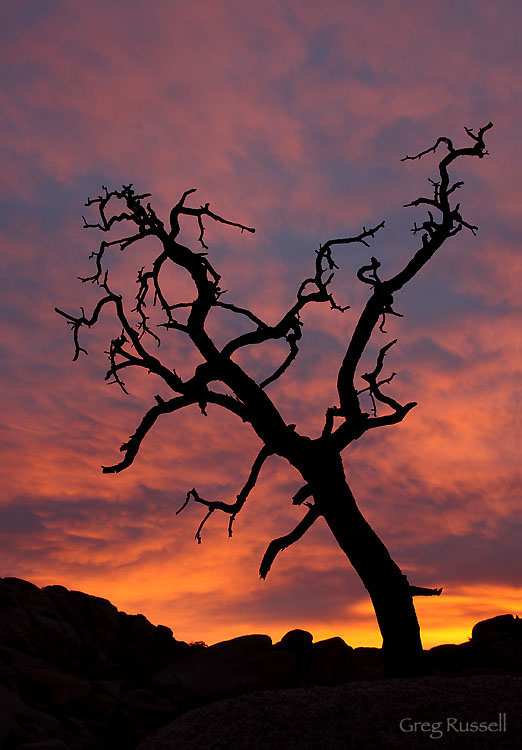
<point x="359" y="715"/>
<point x="76" y="674"/>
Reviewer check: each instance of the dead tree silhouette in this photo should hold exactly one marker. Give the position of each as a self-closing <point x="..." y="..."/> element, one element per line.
<point x="325" y="491"/>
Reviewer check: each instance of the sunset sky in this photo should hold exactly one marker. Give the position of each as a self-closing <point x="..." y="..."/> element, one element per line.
<point x="292" y="117"/>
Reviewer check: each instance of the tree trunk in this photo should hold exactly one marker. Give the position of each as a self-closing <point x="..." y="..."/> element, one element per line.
<point x="387" y="586"/>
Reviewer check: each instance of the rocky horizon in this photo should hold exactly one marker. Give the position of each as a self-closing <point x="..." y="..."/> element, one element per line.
<point x="77" y="674"/>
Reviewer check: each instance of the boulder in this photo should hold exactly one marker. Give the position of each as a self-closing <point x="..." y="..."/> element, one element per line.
<point x="506" y="654"/>
<point x="366" y="664"/>
<point x="43" y="684"/>
<point x="23" y="726"/>
<point x="495" y="647"/>
<point x="331" y="662"/>
<point x="499" y="625"/>
<point x="229" y="668"/>
<point x="138" y="711"/>
<point x="298" y="642"/>
<point x="29" y="622"/>
<point x="73" y="670"/>
<point x="366" y="714"/>
<point x="87" y="634"/>
<point x="450" y="658"/>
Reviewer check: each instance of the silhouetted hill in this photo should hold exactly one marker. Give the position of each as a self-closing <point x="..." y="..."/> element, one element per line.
<point x="76" y="674"/>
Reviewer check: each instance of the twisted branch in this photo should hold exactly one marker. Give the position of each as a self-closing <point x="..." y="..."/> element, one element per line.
<point x="181" y="209"/>
<point x="289" y="326"/>
<point x="435" y="233"/>
<point x="374" y="388"/>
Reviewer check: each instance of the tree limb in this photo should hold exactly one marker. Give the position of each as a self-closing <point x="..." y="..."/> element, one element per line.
<point x="181" y="209"/>
<point x="302" y="494"/>
<point x="374" y="386"/>
<point x="420" y="591"/>
<point x="133" y="444"/>
<point x="450" y="216"/>
<point x="242" y="311"/>
<point x="292" y="338"/>
<point x="76" y="323"/>
<point x="278" y="545"/>
<point x="230" y="508"/>
<point x="436" y="232"/>
<point x="324" y="272"/>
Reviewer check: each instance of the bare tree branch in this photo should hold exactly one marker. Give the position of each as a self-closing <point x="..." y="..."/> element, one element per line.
<point x="420" y="591"/>
<point x="289" y="326"/>
<point x="242" y="311"/>
<point x="278" y="545"/>
<point x="432" y="149"/>
<point x="450" y="216"/>
<point x="374" y="386"/>
<point x="145" y="218"/>
<point x="76" y="323"/>
<point x="381" y="300"/>
<point x="348" y="432"/>
<point x="388" y="419"/>
<point x="302" y="494"/>
<point x="231" y="508"/>
<point x="124" y="242"/>
<point x="181" y="209"/>
<point x="292" y="338"/>
<point x="133" y="444"/>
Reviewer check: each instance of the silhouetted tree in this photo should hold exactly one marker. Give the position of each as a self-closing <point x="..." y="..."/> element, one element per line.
<point x="325" y="491"/>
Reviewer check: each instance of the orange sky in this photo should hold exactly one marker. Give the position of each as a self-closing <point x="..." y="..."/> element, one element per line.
<point x="292" y="119"/>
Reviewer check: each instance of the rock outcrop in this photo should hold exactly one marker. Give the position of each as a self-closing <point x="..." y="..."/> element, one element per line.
<point x="76" y="674"/>
<point x="374" y="715"/>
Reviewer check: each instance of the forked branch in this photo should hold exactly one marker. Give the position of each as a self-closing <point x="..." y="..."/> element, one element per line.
<point x="436" y="230"/>
<point x="180" y="209"/>
<point x="374" y="387"/>
<point x="231" y="508"/>
<point x="312" y="289"/>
